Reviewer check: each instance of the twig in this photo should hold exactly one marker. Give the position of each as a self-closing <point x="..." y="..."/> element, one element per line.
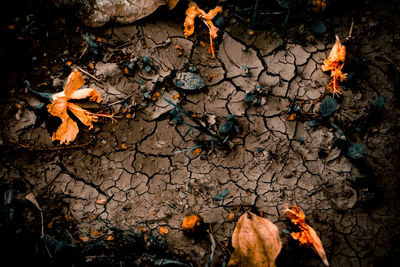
<point x="213" y="246"/>
<point x="122" y="100"/>
<point x="90" y="75"/>
<point x="219" y="243"/>
<point x="392" y="62"/>
<point x="31" y="198"/>
<point x="350" y="31"/>
<point x="22" y="146"/>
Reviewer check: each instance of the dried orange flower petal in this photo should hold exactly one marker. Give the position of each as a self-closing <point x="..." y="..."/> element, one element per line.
<point x="307" y="236"/>
<point x="194" y="11"/>
<point x="335" y="63"/>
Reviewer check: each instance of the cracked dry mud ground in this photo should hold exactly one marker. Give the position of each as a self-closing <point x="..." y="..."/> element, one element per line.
<point x="135" y="166"/>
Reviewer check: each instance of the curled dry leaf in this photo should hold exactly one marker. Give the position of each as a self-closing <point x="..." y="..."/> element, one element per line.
<point x="192" y="224"/>
<point x="172" y="4"/>
<point x="335" y="63"/>
<point x="194" y="11"/>
<point x="68" y="130"/>
<point x="256" y="241"/>
<point x="307" y="236"/>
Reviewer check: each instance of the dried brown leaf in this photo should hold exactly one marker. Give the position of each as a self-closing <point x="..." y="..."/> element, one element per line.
<point x="256" y="241"/>
<point x="172" y="4"/>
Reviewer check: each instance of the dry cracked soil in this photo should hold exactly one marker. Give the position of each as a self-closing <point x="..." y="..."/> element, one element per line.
<point x="109" y="192"/>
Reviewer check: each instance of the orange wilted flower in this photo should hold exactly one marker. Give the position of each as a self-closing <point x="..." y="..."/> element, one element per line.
<point x="307" y="235"/>
<point x="335" y="63"/>
<point x="194" y="11"/>
<point x="68" y="129"/>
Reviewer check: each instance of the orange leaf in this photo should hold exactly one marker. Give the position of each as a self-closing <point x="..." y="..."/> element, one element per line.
<point x="307" y="236"/>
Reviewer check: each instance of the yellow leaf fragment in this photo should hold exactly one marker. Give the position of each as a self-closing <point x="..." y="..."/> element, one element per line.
<point x="256" y="241"/>
<point x="335" y="63"/>
<point x="307" y="236"/>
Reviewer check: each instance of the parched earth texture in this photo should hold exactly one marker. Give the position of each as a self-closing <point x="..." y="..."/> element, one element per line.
<point x="143" y="170"/>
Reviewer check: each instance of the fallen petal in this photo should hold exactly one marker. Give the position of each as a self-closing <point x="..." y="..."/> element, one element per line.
<point x="74" y="82"/>
<point x="58" y="108"/>
<point x="81" y="94"/>
<point x="307" y="236"/>
<point x="212" y="13"/>
<point x="66" y="132"/>
<point x="83" y="115"/>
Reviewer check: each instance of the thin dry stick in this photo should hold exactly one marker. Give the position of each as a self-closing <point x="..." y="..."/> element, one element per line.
<point x="351" y="30"/>
<point x="219" y="243"/>
<point x="32" y="199"/>
<point x="22" y="146"/>
<point x="90" y="75"/>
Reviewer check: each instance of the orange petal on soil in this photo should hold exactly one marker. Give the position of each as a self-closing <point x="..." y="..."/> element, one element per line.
<point x="66" y="132"/>
<point x="83" y="115"/>
<point x="336" y="57"/>
<point x="87" y="92"/>
<point x="212" y="13"/>
<point x="58" y="108"/>
<point x="307" y="236"/>
<point x="74" y="82"/>
<point x="191" y="13"/>
<point x="291" y="117"/>
<point x="163" y="230"/>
